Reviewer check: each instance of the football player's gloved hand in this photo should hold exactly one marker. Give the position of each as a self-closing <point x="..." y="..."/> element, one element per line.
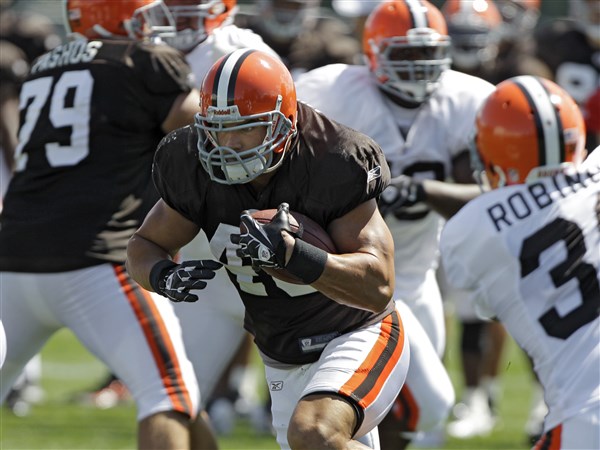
<point x="263" y="243"/>
<point x="402" y="192"/>
<point x="175" y="281"/>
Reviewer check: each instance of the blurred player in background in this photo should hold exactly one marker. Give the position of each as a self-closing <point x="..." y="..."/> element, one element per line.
<point x="529" y="249"/>
<point x="13" y="69"/>
<point x="356" y="11"/>
<point x="494" y="40"/>
<point x="475" y="29"/>
<point x="516" y="54"/>
<point x="421" y="113"/>
<point x="304" y="35"/>
<point x="570" y="48"/>
<point x="92" y="112"/>
<point x="24" y="35"/>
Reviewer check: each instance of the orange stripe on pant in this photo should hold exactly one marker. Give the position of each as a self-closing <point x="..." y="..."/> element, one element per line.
<point x="550" y="440"/>
<point x="368" y="380"/>
<point x="159" y="341"/>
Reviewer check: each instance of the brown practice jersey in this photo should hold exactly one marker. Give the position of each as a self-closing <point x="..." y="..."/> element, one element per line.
<point x="328" y="171"/>
<point x="91" y="115"/>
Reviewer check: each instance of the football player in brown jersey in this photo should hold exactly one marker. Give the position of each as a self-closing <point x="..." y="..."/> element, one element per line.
<point x="334" y="347"/>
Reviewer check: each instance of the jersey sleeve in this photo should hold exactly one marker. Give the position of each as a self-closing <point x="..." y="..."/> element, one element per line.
<point x="174" y="172"/>
<point x="463" y="256"/>
<point x="354" y="175"/>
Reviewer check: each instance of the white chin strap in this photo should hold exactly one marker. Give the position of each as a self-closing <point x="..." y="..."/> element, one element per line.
<point x="237" y="172"/>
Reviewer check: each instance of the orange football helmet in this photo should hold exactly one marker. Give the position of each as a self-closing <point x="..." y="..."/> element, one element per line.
<point x="197" y="19"/>
<point x="245" y="89"/>
<point x="135" y="19"/>
<point x="527" y="128"/>
<point x="475" y="30"/>
<point x="407" y="47"/>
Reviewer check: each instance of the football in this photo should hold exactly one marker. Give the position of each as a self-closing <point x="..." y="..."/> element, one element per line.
<point x="310" y="231"/>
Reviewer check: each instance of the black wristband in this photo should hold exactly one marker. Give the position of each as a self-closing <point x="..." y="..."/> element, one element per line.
<point x="158" y="272"/>
<point x="307" y="262"/>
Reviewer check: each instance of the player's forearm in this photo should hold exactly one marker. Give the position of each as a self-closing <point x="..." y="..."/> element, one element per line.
<point x="359" y="280"/>
<point x="448" y="198"/>
<point x="142" y="255"/>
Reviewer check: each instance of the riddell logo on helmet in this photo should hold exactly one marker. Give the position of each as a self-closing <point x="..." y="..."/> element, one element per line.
<point x="230" y="111"/>
<point x="221" y="112"/>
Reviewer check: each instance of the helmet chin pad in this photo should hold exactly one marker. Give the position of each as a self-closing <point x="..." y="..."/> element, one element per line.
<point x="240" y="166"/>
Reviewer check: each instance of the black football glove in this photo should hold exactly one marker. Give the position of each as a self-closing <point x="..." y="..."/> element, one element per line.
<point x="263" y="243"/>
<point x="175" y="281"/>
<point x="402" y="192"/>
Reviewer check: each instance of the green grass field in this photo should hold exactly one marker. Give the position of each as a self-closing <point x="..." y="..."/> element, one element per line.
<point x="69" y="368"/>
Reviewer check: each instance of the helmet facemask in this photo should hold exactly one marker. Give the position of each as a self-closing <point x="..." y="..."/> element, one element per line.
<point x="154" y="20"/>
<point x="473" y="46"/>
<point x="188" y="38"/>
<point x="228" y="166"/>
<point x="410" y="66"/>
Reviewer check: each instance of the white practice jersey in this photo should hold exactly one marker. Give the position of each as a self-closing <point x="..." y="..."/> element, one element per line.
<point x="531" y="254"/>
<point x="220" y="42"/>
<point x="419" y="142"/>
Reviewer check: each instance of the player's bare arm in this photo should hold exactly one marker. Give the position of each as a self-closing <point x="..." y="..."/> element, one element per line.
<point x="447" y="198"/>
<point x="362" y="274"/>
<point x="182" y="112"/>
<point x="157" y="240"/>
